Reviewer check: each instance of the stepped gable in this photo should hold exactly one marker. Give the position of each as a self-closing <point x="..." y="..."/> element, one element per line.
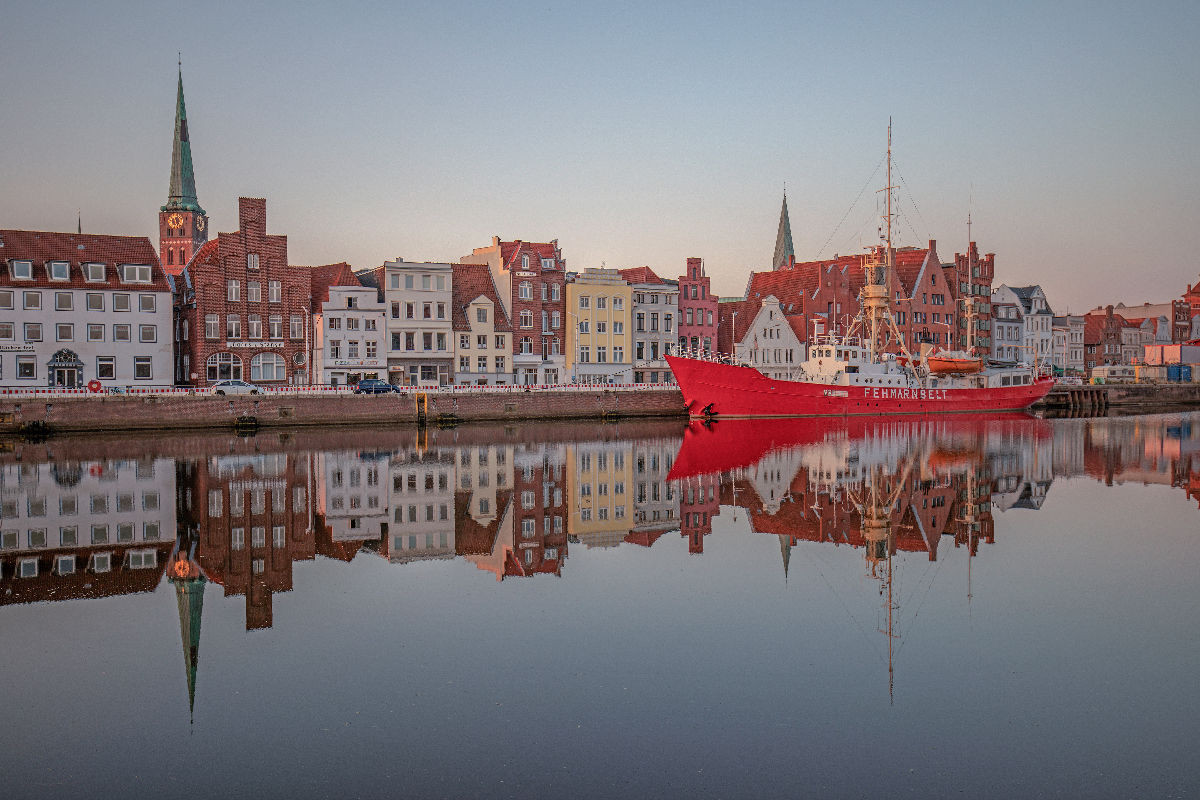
<point x="640" y="275"/>
<point x="78" y="249"/>
<point x="469" y="282"/>
<point x="339" y="274"/>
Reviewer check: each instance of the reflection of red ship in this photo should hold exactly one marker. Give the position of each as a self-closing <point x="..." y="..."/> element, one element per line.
<point x="732" y="444"/>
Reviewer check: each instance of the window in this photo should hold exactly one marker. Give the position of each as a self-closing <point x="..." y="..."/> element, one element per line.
<point x="267" y="367"/>
<point x="26" y="367"/>
<point x="63" y="301"/>
<point x="147" y="333"/>
<point x="584" y="301"/>
<point x="482" y="360"/>
<point x="105" y="367"/>
<point x="253" y="291"/>
<point x="526" y="319"/>
<point x="500" y="364"/>
<point x="296" y="327"/>
<point x="618" y="355"/>
<point x="6" y="300"/>
<point x="22" y="270"/>
<point x="253" y="326"/>
<point x="233" y="326"/>
<point x="135" y="273"/>
<point x="64" y="332"/>
<point x="6" y="331"/>
<point x="618" y="303"/>
<point x="95" y="332"/>
<point x="584" y="355"/>
<point x="525" y="290"/>
<point x="233" y="291"/>
<point x="121" y="302"/>
<point x="33" y="331"/>
<point x="251" y="260"/>
<point x="274" y="291"/>
<point x="555" y="292"/>
<point x="275" y="326"/>
<point x="224" y="366"/>
<point x="94" y="272"/>
<point x="32" y="301"/>
<point x="142" y="369"/>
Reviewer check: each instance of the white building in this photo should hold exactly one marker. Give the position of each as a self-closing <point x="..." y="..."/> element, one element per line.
<point x="419" y="326"/>
<point x="655" y="324"/>
<point x="1067" y="355"/>
<point x="349" y="335"/>
<point x="771" y="343"/>
<point x="422" y="505"/>
<point x="78" y="308"/>
<point x="352" y="496"/>
<point x="1036" y="323"/>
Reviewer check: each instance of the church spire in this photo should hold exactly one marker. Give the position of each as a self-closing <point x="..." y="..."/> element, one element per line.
<point x="783" y="239"/>
<point x="189" y="581"/>
<point x="181" y="196"/>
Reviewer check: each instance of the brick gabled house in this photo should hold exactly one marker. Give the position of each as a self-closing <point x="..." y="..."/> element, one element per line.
<point x="697" y="309"/>
<point x="530" y="278"/>
<point x="1102" y="334"/>
<point x="243" y="311"/>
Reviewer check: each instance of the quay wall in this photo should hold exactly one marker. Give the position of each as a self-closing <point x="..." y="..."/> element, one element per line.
<point x="181" y="411"/>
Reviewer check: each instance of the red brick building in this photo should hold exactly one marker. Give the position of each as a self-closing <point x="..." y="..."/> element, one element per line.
<point x="530" y="278"/>
<point x="697" y="309"/>
<point x="974" y="275"/>
<point x="243" y="312"/>
<point x="182" y="223"/>
<point x="1102" y="339"/>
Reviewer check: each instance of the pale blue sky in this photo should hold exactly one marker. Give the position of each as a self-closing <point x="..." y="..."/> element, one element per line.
<point x="634" y="133"/>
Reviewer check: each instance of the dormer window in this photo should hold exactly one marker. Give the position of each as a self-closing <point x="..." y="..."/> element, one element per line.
<point x="22" y="270"/>
<point x="94" y="272"/>
<point x="547" y="263"/>
<point x="58" y="270"/>
<point x="135" y="273"/>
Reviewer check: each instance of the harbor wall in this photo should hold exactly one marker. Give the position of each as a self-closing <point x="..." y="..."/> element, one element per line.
<point x="73" y="413"/>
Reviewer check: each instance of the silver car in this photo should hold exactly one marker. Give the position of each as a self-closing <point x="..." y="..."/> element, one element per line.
<point x="235" y="387"/>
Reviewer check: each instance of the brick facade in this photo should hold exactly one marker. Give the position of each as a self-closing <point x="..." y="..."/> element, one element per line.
<point x="697" y="309"/>
<point x="243" y="312"/>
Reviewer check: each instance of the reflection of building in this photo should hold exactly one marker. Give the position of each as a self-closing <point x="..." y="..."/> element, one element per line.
<point x="251" y="515"/>
<point x="699" y="503"/>
<point x="422" y="505"/>
<point x="351" y="494"/>
<point x="84" y="529"/>
<point x="599" y="484"/>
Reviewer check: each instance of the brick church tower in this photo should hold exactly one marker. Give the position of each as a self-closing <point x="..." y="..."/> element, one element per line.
<point x="182" y="224"/>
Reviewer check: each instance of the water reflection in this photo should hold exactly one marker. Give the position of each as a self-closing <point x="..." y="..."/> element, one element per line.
<point x="514" y="507"/>
<point x="86" y="518"/>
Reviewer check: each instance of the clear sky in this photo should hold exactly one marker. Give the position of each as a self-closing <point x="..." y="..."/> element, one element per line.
<point x="634" y="133"/>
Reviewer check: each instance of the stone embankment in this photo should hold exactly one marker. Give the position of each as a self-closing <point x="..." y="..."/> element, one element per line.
<point x="175" y="409"/>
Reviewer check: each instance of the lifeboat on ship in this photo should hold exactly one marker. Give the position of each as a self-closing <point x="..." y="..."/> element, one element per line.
<point x="953" y="362"/>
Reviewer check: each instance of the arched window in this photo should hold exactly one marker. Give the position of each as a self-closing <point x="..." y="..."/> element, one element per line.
<point x="224" y="366"/>
<point x="170" y="256"/>
<point x="267" y="367"/>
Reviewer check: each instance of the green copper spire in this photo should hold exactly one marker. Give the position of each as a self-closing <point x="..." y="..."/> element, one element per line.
<point x="783" y="239"/>
<point x="189" y="595"/>
<point x="181" y="196"/>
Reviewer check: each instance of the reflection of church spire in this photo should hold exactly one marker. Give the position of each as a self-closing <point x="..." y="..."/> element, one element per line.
<point x="785" y="549"/>
<point x="189" y="583"/>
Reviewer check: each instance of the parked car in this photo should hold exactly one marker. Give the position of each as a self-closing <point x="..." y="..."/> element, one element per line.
<point x="373" y="386"/>
<point x="235" y="387"/>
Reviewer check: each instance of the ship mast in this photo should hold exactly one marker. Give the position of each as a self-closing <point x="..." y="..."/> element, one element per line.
<point x="875" y="294"/>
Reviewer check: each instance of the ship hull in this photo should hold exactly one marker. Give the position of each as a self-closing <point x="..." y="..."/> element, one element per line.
<point x="737" y="391"/>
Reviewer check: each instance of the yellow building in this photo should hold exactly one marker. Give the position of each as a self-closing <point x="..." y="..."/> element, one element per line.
<point x="599" y="492"/>
<point x="599" y="303"/>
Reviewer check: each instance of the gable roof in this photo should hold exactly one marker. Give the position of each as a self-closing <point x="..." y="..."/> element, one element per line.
<point x="640" y="275"/>
<point x="510" y="250"/>
<point x="323" y="277"/>
<point x="469" y="282"/>
<point x="732" y="329"/>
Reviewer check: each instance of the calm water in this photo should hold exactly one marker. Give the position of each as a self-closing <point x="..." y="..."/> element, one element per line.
<point x="1002" y="608"/>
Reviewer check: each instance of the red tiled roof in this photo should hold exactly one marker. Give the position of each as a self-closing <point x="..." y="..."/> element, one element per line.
<point x="799" y="325"/>
<point x="510" y="250"/>
<point x="727" y="335"/>
<point x="786" y="285"/>
<point x="339" y="274"/>
<point x="78" y="249"/>
<point x="640" y="275"/>
<point x="470" y="281"/>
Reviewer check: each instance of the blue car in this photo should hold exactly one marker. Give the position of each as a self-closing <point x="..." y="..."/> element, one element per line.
<point x="373" y="386"/>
